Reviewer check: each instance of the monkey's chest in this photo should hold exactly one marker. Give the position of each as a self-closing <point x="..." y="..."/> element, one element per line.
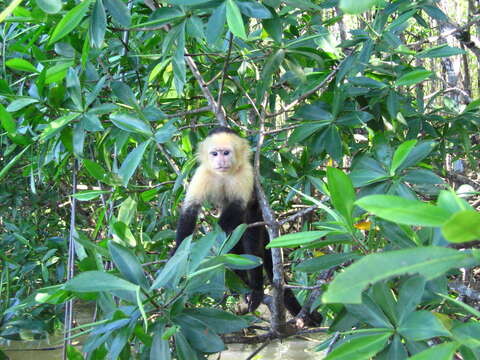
<point x="226" y="190"/>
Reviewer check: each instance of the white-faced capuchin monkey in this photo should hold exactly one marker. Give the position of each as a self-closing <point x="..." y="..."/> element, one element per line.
<point x="225" y="179"/>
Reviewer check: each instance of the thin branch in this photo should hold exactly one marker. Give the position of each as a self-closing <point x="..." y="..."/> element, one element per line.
<point x="68" y="320"/>
<point x="294" y="103"/>
<point x="264" y="345"/>
<point x="300" y="213"/>
<point x="216" y="108"/>
<point x="189" y="112"/>
<point x="169" y="159"/>
<point x="301" y="287"/>
<point x="225" y="67"/>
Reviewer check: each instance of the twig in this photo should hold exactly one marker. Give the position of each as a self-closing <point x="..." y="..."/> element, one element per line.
<point x="300" y="213"/>
<point x="225" y="66"/>
<point x="189" y="112"/>
<point x="264" y="345"/>
<point x="301" y="287"/>
<point x="325" y="82"/>
<point x="68" y="320"/>
<point x="334" y="340"/>
<point x="216" y="108"/>
<point x="169" y="159"/>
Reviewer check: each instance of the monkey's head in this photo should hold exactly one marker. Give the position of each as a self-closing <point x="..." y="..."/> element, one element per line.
<point x="223" y="151"/>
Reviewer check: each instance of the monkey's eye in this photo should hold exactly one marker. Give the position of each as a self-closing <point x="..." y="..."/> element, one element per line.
<point x="214" y="153"/>
<point x="226" y="152"/>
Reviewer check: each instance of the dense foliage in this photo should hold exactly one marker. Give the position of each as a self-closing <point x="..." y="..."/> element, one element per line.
<point x="102" y="104"/>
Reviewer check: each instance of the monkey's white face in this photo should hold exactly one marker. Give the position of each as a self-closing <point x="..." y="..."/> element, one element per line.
<point x="221" y="159"/>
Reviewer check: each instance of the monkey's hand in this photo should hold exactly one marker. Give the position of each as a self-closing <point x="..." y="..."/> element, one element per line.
<point x="254" y="299"/>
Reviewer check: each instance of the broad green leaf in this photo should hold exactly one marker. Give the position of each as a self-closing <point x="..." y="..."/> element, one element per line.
<point x="57" y="72"/>
<point x="467" y="307"/>
<point x="404" y="211"/>
<point x="122" y="234"/>
<point x="50" y="6"/>
<point x="360" y="347"/>
<point x="88" y="195"/>
<point x="417" y="154"/>
<point x="367" y="171"/>
<point x="9" y="9"/>
<point x="6" y="168"/>
<point x="304" y="131"/>
<point x="234" y="19"/>
<point x="95" y="169"/>
<point x="220" y="321"/>
<point x="445" y="351"/>
<point x="96" y="281"/>
<point x="333" y="142"/>
<point x="70" y="21"/>
<point x="160" y="348"/>
<point x="119" y="12"/>
<point x="233" y="239"/>
<point x="325" y="262"/>
<point x="131" y="162"/>
<point x="132" y="124"/>
<point x="20" y="104"/>
<point x="175" y="268"/>
<point x="98" y="24"/>
<point x="254" y="9"/>
<point x="127" y="263"/>
<point x="239" y="262"/>
<point x="440" y="51"/>
<point x="428" y="261"/>
<point x="401" y="154"/>
<point x="342" y="194"/>
<point x="413" y="77"/>
<point x="367" y="82"/>
<point x="216" y="23"/>
<point x="296" y="239"/>
<point x="467" y="334"/>
<point x="165" y="133"/>
<point x="195" y="28"/>
<point x="422" y="177"/>
<point x="422" y="325"/>
<point x="124" y="93"/>
<point x="73" y="353"/>
<point x="57" y="125"/>
<point x="357" y="6"/>
<point x="184" y="350"/>
<point x="21" y="65"/>
<point x="410" y="295"/>
<point x="199" y="334"/>
<point x="313" y="111"/>
<point x="462" y="227"/>
<point x="369" y="312"/>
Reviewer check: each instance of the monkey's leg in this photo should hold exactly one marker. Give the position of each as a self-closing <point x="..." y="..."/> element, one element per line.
<point x="291" y="302"/>
<point x="186" y="223"/>
<point x="232" y="216"/>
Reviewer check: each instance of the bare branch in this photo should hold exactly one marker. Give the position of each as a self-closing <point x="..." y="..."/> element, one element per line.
<point x="225" y="67"/>
<point x="189" y="112"/>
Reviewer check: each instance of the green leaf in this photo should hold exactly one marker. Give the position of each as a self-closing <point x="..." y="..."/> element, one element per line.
<point x="88" y="195"/>
<point x="98" y="24"/>
<point x="21" y="65"/>
<point x="70" y="21"/>
<point x="356" y="6"/>
<point x="304" y="131"/>
<point x="367" y="171"/>
<point x="96" y="281"/>
<point x="129" y="123"/>
<point x="124" y="93"/>
<point x="428" y="261"/>
<point x="216" y="24"/>
<point x="73" y="353"/>
<point x="369" y="312"/>
<point x="440" y="51"/>
<point x="445" y="351"/>
<point x="413" y="77"/>
<point x="401" y="154"/>
<point x="199" y="334"/>
<point x="313" y="111"/>
<point x="57" y="125"/>
<point x="462" y="227"/>
<point x="175" y="268"/>
<point x="359" y="348"/>
<point x="128" y="264"/>
<point x="417" y="154"/>
<point x="131" y="162"/>
<point x="160" y="348"/>
<point x="20" y="104"/>
<point x="50" y="6"/>
<point x="234" y="20"/>
<point x="6" y="168"/>
<point x="222" y="322"/>
<point x="467" y="334"/>
<point x="95" y="169"/>
<point x="404" y="211"/>
<point x="9" y="9"/>
<point x="422" y="325"/>
<point x="341" y="191"/>
<point x="119" y="12"/>
<point x="184" y="350"/>
<point x="422" y="177"/>
<point x="254" y="9"/>
<point x="325" y="262"/>
<point x="57" y="72"/>
<point x="122" y="234"/>
<point x="410" y="295"/>
<point x="461" y="304"/>
<point x="296" y="239"/>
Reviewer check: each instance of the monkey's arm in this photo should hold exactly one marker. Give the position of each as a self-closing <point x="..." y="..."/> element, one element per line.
<point x="186" y="223"/>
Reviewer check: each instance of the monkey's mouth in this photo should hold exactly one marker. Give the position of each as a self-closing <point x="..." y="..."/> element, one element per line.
<point x="222" y="169"/>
